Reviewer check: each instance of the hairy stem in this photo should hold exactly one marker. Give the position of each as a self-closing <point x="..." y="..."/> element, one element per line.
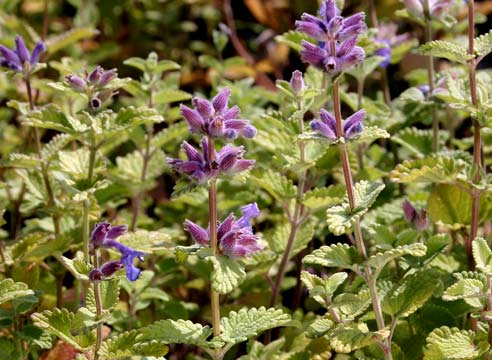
<point x="477" y="136"/>
<point x="295" y="222"/>
<point x="212" y="209"/>
<point x="99" y="309"/>
<point x="85" y="229"/>
<point x="349" y="185"/>
<point x="430" y="76"/>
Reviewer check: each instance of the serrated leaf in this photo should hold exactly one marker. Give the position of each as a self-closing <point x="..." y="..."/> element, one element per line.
<point x="408" y="296"/>
<point x="127" y="344"/>
<point x="320" y="289"/>
<point x="483" y="44"/>
<point x="247" y="323"/>
<point x="340" y="218"/>
<point x="62" y="323"/>
<point x="51" y="117"/>
<point x="353" y="305"/>
<point x="320" y="198"/>
<point x="275" y="184"/>
<point x="170" y="135"/>
<point x="177" y="332"/>
<point x="379" y="260"/>
<point x="109" y="291"/>
<point x="440" y="169"/>
<point x="482" y="255"/>
<point x="77" y="266"/>
<point x="347" y="338"/>
<point x="227" y="274"/>
<point x="319" y="327"/>
<point x="453" y="343"/>
<point x="336" y="255"/>
<point x="18" y="160"/>
<point x="417" y="141"/>
<point x="56" y="144"/>
<point x="449" y="205"/>
<point x="470" y="290"/>
<point x="445" y="49"/>
<point x="9" y="290"/>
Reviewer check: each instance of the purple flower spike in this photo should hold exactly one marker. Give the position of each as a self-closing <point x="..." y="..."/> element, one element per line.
<point x="326" y="125"/>
<point x="193" y="117"/>
<point x="21" y="49"/>
<point x="199" y="234"/>
<point x="239" y="243"/>
<point x="297" y="82"/>
<point x="220" y="101"/>
<point x="204" y="107"/>
<point x="353" y="126"/>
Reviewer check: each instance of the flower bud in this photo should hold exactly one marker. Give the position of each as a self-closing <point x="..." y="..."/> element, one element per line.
<point x="95" y="275"/>
<point x="95" y="75"/>
<point x="108" y="76"/>
<point x="111" y="267"/>
<point x="297" y="82"/>
<point x="76" y="83"/>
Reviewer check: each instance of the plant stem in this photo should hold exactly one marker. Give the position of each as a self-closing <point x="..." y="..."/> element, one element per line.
<point x="477" y="136"/>
<point x="349" y="185"/>
<point x="212" y="209"/>
<point x="430" y="76"/>
<point x="488" y="297"/>
<point x="99" y="309"/>
<point x="295" y="221"/>
<point x="146" y="157"/>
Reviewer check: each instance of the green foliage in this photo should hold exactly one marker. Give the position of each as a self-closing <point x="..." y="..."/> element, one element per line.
<point x="445" y="49"/>
<point x="483" y="44"/>
<point x="127" y="344"/>
<point x="176" y="332"/>
<point x="336" y="255"/>
<point x="482" y="255"/>
<point x="275" y="184"/>
<point x="227" y="274"/>
<point x="453" y="343"/>
<point x="340" y="218"/>
<point x="10" y="290"/>
<point x="322" y="290"/>
<point x="247" y="323"/>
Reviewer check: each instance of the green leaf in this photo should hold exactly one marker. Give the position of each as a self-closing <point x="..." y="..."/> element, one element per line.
<point x="168" y="96"/>
<point x="227" y="274"/>
<point x="293" y="39"/>
<point x="63" y="40"/>
<point x="445" y="49"/>
<point x="340" y="218"/>
<point x="453" y="343"/>
<point x="347" y="338"/>
<point x="483" y="44"/>
<point x="449" y="205"/>
<point x="482" y="255"/>
<point x="319" y="327"/>
<point x="434" y="169"/>
<point x="77" y="266"/>
<point x="320" y="198"/>
<point x="247" y="323"/>
<point x="10" y="290"/>
<point x="147" y="241"/>
<point x="417" y="141"/>
<point x="353" y="305"/>
<point x="470" y="290"/>
<point x="322" y="289"/>
<point x="52" y="117"/>
<point x="410" y="295"/>
<point x="275" y="184"/>
<point x="177" y="332"/>
<point x="56" y="144"/>
<point x="170" y="135"/>
<point x="127" y="344"/>
<point x="379" y="260"/>
<point x="110" y="292"/>
<point x="336" y="255"/>
<point x="62" y="323"/>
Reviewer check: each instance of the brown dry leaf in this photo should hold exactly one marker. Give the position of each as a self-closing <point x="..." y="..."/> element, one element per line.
<point x="61" y="351"/>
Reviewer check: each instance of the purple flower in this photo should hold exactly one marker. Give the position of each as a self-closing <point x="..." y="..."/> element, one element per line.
<point x="106" y="270"/>
<point x="104" y="235"/>
<point x="388" y="38"/>
<point x="214" y="118"/>
<point x="93" y="82"/>
<point x="384" y="52"/>
<point x="17" y="58"/>
<point x="351" y="127"/>
<point x="229" y="160"/>
<point x="417" y="218"/>
<point x="235" y="237"/>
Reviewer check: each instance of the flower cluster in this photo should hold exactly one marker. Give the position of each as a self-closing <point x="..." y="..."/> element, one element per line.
<point x="214" y="118"/>
<point x="104" y="235"/>
<point x="337" y="36"/>
<point x="437" y="8"/>
<point x="235" y="237"/>
<point x="326" y="125"/>
<point x="20" y="59"/>
<point x="94" y="84"/>
<point x="229" y="160"/>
